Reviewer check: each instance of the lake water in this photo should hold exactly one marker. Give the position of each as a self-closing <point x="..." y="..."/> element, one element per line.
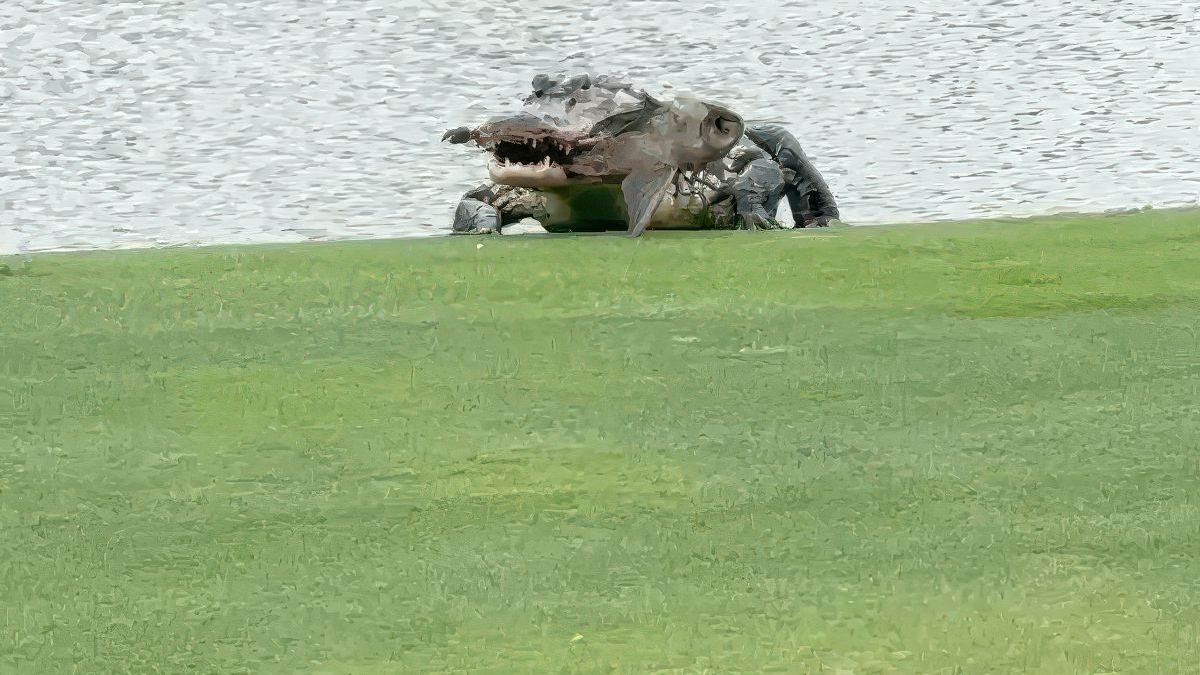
<point x="177" y="122"/>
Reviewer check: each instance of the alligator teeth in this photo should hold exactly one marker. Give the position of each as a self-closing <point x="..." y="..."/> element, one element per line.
<point x="546" y="161"/>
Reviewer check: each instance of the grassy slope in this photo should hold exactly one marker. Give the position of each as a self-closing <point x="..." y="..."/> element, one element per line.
<point x="967" y="448"/>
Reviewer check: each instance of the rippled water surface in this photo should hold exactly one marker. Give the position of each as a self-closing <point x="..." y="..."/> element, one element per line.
<point x="174" y="122"/>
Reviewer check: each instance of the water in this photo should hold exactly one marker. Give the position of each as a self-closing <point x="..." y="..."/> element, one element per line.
<point x="175" y="122"/>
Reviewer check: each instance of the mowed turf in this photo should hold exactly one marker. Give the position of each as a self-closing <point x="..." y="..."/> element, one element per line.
<point x="969" y="448"/>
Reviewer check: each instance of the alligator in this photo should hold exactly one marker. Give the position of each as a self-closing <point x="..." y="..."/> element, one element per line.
<point x="591" y="154"/>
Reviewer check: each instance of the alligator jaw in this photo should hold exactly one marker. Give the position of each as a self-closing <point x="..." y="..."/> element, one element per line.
<point x="539" y="175"/>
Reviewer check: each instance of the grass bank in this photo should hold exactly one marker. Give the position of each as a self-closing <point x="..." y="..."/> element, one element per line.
<point x="968" y="448"/>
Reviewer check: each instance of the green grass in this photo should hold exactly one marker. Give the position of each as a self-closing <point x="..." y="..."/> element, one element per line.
<point x="969" y="448"/>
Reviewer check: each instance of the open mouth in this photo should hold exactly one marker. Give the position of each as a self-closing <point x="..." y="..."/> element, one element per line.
<point x="534" y="162"/>
<point x="535" y="151"/>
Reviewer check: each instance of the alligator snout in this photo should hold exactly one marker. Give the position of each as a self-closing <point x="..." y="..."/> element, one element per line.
<point x="458" y="135"/>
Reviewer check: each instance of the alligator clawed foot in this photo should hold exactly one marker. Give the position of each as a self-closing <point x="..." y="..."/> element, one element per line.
<point x="476" y="217"/>
<point x="819" y="221"/>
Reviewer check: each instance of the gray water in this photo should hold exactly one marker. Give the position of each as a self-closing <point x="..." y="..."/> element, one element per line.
<point x="176" y="122"/>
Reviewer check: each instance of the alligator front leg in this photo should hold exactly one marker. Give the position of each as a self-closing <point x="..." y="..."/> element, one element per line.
<point x="475" y="217"/>
<point x="808" y="194"/>
<point x="757" y="190"/>
<point x="476" y="213"/>
<point x="489" y="208"/>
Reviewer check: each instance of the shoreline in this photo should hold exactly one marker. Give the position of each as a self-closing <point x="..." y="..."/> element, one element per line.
<point x="443" y="234"/>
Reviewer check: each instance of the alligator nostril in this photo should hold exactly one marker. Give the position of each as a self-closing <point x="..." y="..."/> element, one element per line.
<point x="725" y="125"/>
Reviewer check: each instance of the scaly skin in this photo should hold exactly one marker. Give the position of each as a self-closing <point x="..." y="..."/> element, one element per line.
<point x="740" y="190"/>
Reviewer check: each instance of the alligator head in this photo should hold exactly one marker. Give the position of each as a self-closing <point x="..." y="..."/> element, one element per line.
<point x="586" y="130"/>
